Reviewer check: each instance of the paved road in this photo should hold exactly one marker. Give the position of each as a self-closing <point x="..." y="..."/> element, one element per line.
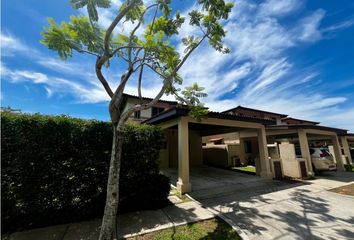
<point x="278" y="210"/>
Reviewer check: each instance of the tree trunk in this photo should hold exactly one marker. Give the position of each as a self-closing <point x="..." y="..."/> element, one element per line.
<point x="108" y="227"/>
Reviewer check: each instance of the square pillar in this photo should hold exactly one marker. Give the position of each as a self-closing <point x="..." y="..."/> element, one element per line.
<point x="305" y="151"/>
<point x="337" y="153"/>
<point x="346" y="148"/>
<point x="183" y="184"/>
<point x="263" y="154"/>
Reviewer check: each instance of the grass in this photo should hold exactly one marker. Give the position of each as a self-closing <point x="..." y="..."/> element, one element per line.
<point x="183" y="197"/>
<point x="247" y="169"/>
<point x="214" y="229"/>
<point x="347" y="190"/>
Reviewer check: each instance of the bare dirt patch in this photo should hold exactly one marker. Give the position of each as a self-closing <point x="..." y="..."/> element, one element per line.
<point x="347" y="190"/>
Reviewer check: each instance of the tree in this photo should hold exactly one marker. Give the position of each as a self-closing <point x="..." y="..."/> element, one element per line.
<point x="151" y="51"/>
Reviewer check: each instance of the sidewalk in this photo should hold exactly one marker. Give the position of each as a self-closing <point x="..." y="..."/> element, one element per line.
<point x="130" y="224"/>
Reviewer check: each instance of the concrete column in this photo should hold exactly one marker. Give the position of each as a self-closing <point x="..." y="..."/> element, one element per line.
<point x="337" y="153"/>
<point x="305" y="151"/>
<point x="263" y="154"/>
<point x="183" y="184"/>
<point x="346" y="148"/>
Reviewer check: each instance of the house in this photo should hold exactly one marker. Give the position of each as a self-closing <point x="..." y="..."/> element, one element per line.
<point x="253" y="131"/>
<point x="300" y="133"/>
<point x="139" y="116"/>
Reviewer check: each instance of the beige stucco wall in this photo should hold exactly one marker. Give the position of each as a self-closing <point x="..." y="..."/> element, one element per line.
<point x="246" y="157"/>
<point x="216" y="155"/>
<point x="144" y="114"/>
<point x="228" y="137"/>
<point x="220" y="155"/>
<point x="195" y="149"/>
<point x="169" y="156"/>
<point x="173" y="148"/>
<point x="290" y="164"/>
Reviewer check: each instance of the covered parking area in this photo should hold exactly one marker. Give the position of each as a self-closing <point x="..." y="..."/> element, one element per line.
<point x="307" y="136"/>
<point x="184" y="134"/>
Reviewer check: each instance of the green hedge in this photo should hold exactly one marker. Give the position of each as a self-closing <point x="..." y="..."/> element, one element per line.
<point x="54" y="169"/>
<point x="349" y="167"/>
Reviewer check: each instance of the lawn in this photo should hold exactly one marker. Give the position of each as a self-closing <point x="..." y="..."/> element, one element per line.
<point x="247" y="169"/>
<point x="207" y="230"/>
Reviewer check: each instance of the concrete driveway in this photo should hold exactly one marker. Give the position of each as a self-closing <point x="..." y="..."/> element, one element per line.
<point x="267" y="209"/>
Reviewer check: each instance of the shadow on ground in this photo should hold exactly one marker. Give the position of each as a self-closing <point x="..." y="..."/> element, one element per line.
<point x="267" y="209"/>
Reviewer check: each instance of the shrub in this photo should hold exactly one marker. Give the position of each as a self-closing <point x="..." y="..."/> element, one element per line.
<point x="55" y="169"/>
<point x="349" y="167"/>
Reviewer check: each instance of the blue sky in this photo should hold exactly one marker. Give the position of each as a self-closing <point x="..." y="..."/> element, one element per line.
<point x="288" y="56"/>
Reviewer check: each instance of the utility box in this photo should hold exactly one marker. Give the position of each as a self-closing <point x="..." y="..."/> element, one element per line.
<point x="292" y="166"/>
<point x="345" y="159"/>
<point x="331" y="151"/>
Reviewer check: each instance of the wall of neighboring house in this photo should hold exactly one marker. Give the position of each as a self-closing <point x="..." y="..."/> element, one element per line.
<point x="223" y="155"/>
<point x="228" y="138"/>
<point x="249" y="150"/>
<point x="144" y="114"/>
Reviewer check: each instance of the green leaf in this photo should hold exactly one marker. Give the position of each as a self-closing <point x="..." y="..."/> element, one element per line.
<point x="58" y="38"/>
<point x="134" y="13"/>
<point x="78" y="35"/>
<point x="91" y="6"/>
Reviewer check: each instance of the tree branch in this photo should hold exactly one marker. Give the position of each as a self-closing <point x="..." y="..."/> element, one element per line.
<point x="118" y="94"/>
<point x="187" y="55"/>
<point x="115" y="23"/>
<point x="99" y="62"/>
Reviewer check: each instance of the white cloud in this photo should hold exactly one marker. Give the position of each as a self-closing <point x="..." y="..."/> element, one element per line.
<point x="257" y="73"/>
<point x="308" y="29"/>
<point x="84" y="93"/>
<point x="258" y="37"/>
<point x="273" y="72"/>
<point x="10" y="45"/>
<point x="279" y="8"/>
<point x="339" y="26"/>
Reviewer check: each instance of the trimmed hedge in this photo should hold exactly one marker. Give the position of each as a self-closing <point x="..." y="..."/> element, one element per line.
<point x="349" y="167"/>
<point x="55" y="169"/>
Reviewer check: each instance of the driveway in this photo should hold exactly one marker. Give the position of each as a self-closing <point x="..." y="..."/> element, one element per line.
<point x="268" y="209"/>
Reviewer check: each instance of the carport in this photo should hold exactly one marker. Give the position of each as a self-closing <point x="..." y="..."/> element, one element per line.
<point x="305" y="133"/>
<point x="184" y="134"/>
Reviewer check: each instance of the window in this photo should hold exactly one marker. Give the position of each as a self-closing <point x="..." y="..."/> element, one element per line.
<point x="248" y="147"/>
<point x="324" y="153"/>
<point x="137" y="115"/>
<point x="156" y="110"/>
<point x="298" y="151"/>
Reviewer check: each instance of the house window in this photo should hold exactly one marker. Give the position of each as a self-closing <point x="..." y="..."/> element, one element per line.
<point x="137" y="115"/>
<point x="156" y="110"/>
<point x="248" y="147"/>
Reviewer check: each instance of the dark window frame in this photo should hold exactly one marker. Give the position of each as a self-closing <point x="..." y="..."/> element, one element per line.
<point x="156" y="110"/>
<point x="137" y="115"/>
